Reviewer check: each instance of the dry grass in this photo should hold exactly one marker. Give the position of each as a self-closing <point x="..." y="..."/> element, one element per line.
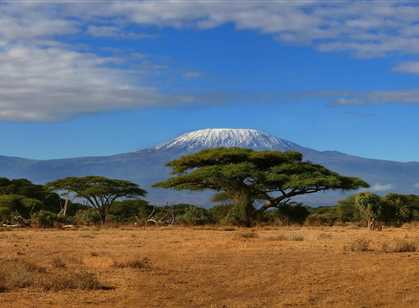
<point x="208" y="267"/>
<point x="360" y="245"/>
<point x="292" y="236"/>
<point x="400" y="245"/>
<point x="18" y="274"/>
<point x="246" y="235"/>
<point x="138" y="263"/>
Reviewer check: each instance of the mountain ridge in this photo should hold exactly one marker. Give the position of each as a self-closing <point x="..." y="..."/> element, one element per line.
<point x="148" y="166"/>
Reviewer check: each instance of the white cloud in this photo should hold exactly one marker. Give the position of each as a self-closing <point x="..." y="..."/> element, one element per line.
<point x="42" y="78"/>
<point x="365" y="28"/>
<point x="381" y="187"/>
<point x="48" y="83"/>
<point x="115" y="32"/>
<point x="411" y="67"/>
<point x="377" y="97"/>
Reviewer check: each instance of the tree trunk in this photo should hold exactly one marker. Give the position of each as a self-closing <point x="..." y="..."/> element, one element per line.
<point x="102" y="214"/>
<point x="371" y="223"/>
<point x="66" y="202"/>
<point x="246" y="210"/>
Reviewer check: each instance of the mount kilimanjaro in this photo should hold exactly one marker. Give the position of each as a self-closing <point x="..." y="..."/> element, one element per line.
<point x="147" y="166"/>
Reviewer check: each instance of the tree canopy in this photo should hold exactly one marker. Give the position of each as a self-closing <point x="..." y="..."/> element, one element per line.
<point x="247" y="176"/>
<point x="99" y="192"/>
<point x="21" y="198"/>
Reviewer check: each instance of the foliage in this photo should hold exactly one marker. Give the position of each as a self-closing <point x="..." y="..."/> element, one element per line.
<point x="87" y="217"/>
<point x="347" y="211"/>
<point x="196" y="216"/>
<point x="18" y="205"/>
<point x="99" y="192"/>
<point x="220" y="213"/>
<point x="290" y="214"/>
<point x="25" y="188"/>
<point x="247" y="176"/>
<point x="130" y="210"/>
<point x="322" y="216"/>
<point x="370" y="206"/>
<point x="44" y="219"/>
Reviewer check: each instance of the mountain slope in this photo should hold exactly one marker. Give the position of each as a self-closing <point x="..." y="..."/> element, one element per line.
<point x="148" y="166"/>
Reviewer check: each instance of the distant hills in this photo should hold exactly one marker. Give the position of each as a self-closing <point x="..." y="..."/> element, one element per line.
<point x="147" y="166"/>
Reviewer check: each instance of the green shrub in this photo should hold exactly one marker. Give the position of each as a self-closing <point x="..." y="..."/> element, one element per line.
<point x="287" y="214"/>
<point x="44" y="219"/>
<point x="195" y="216"/>
<point x="87" y="217"/>
<point x="220" y="213"/>
<point x="130" y="211"/>
<point x="322" y="216"/>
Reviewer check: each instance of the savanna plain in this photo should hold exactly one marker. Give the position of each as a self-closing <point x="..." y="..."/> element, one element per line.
<point x="344" y="266"/>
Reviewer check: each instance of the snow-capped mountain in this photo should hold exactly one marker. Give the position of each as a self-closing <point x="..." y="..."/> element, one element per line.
<point x="148" y="166"/>
<point x="227" y="137"/>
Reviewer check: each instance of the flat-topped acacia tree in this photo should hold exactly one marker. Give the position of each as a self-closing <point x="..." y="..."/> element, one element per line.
<point x="246" y="176"/>
<point x="99" y="192"/>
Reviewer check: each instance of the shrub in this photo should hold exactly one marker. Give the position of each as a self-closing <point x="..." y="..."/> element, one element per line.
<point x="247" y="235"/>
<point x="359" y="245"/>
<point x="71" y="280"/>
<point x="220" y="213"/>
<point x="87" y="217"/>
<point x="289" y="214"/>
<point x="399" y="245"/>
<point x="44" y="219"/>
<point x="322" y="216"/>
<point x="142" y="264"/>
<point x="130" y="210"/>
<point x="16" y="273"/>
<point x="289" y="237"/>
<point x="58" y="263"/>
<point x="196" y="216"/>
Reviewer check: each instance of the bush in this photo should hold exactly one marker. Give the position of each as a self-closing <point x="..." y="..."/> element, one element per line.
<point x="287" y="214"/>
<point x="195" y="216"/>
<point x="400" y="245"/>
<point x="67" y="280"/>
<point x="246" y="235"/>
<point x="322" y="216"/>
<point x="17" y="273"/>
<point x="130" y="210"/>
<point x="44" y="219"/>
<point x="359" y="245"/>
<point x="220" y="213"/>
<point x="289" y="237"/>
<point x="141" y="264"/>
<point x="87" y="217"/>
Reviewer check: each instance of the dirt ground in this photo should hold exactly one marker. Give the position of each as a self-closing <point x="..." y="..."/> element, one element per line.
<point x="220" y="267"/>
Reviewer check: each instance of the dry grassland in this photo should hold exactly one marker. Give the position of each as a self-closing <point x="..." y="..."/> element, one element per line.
<point x="210" y="267"/>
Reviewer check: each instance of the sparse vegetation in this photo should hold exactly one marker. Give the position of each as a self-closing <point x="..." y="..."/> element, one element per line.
<point x="147" y="266"/>
<point x="399" y="245"/>
<point x="247" y="235"/>
<point x="18" y="273"/>
<point x="360" y="245"/>
<point x="292" y="236"/>
<point x="138" y="263"/>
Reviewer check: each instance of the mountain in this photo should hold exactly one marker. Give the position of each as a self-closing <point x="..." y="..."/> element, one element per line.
<point x="147" y="166"/>
<point x="224" y="137"/>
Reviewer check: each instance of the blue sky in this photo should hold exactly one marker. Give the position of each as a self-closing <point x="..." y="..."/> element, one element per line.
<point x="92" y="79"/>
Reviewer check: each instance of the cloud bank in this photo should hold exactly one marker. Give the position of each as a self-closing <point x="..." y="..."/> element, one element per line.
<point x="44" y="78"/>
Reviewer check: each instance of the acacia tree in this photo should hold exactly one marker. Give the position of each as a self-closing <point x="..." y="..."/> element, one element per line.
<point x="247" y="176"/>
<point x="99" y="192"/>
